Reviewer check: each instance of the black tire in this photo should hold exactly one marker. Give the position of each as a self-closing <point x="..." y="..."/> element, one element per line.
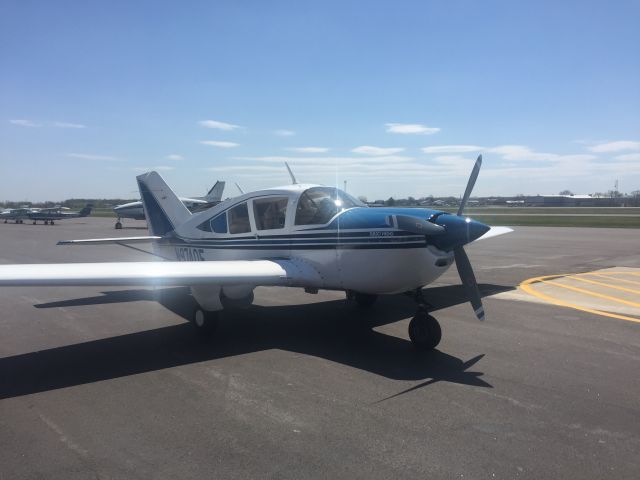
<point x="46" y="222"/>
<point x="424" y="331"/>
<point x="206" y="322"/>
<point x="364" y="300"/>
<point x="118" y="226"/>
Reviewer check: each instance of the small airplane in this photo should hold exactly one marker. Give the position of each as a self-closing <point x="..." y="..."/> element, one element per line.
<point x="135" y="210"/>
<point x="17" y="214"/>
<point x="48" y="215"/>
<point x="309" y="236"/>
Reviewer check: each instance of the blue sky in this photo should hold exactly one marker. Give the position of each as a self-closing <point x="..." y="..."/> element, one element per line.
<point x="397" y="97"/>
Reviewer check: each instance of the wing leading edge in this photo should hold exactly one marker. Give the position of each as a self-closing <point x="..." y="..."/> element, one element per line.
<point x="236" y="272"/>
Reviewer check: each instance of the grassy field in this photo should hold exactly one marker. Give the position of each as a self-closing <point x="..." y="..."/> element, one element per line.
<point x="541" y="217"/>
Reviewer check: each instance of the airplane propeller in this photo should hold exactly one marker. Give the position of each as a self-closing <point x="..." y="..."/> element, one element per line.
<point x="462" y="260"/>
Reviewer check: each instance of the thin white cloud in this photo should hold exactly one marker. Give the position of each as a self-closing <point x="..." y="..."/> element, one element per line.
<point x="218" y="125"/>
<point x="161" y="168"/>
<point x="411" y="128"/>
<point x="629" y="157"/>
<point x="90" y="156"/>
<point x="68" y="125"/>
<point x="376" y="151"/>
<point x="619" y="146"/>
<point x="220" y="144"/>
<point x="452" y="149"/>
<point x="284" y="133"/>
<point x="520" y="153"/>
<point x="339" y="164"/>
<point x="174" y="156"/>
<point x="24" y="123"/>
<point x="308" y="149"/>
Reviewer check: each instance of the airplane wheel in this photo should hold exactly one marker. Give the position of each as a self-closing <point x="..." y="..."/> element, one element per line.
<point x="118" y="225"/>
<point x="205" y="322"/>
<point x="364" y="300"/>
<point x="424" y="331"/>
<point x="51" y="222"/>
<point x="46" y="222"/>
<point x="34" y="222"/>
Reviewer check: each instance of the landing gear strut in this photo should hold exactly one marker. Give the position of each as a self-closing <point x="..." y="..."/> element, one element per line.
<point x="206" y="322"/>
<point x="118" y="224"/>
<point x="424" y="330"/>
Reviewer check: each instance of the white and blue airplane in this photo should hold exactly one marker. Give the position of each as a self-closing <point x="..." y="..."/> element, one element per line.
<point x="309" y="236"/>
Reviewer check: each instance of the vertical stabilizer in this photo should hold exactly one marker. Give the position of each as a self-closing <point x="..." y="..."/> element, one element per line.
<point x="163" y="208"/>
<point x="215" y="194"/>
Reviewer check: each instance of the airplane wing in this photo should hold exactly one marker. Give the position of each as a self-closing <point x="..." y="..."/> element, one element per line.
<point x="236" y="272"/>
<point x="110" y="241"/>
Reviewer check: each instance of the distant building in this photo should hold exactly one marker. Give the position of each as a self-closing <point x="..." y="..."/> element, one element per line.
<point x="559" y="201"/>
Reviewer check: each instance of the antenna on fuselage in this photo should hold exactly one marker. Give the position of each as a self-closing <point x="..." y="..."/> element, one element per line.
<point x="293" y="178"/>
<point x="238" y="186"/>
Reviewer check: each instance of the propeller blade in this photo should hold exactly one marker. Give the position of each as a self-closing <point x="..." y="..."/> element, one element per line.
<point x="418" y="226"/>
<point x="469" y="281"/>
<point x="470" y="184"/>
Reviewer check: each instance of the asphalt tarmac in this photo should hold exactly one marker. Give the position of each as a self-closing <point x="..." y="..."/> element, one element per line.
<point x="113" y="383"/>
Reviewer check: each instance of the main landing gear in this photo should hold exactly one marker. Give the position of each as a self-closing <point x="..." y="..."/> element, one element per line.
<point x="206" y="322"/>
<point x="118" y="224"/>
<point x="424" y="330"/>
<point x="364" y="300"/>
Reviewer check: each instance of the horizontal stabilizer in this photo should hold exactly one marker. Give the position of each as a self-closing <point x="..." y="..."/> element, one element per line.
<point x="110" y="241"/>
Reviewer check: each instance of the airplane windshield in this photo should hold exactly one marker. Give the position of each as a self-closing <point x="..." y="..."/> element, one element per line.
<point x="318" y="205"/>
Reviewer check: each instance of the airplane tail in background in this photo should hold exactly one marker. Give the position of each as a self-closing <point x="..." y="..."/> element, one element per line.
<point x="86" y="211"/>
<point x="163" y="208"/>
<point x="215" y="194"/>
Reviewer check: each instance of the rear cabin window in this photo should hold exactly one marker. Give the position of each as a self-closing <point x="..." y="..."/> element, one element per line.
<point x="318" y="205"/>
<point x="270" y="213"/>
<point x="239" y="219"/>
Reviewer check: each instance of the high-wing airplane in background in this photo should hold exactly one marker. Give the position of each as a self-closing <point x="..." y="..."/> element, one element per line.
<point x="17" y="214"/>
<point x="135" y="210"/>
<point x="308" y="236"/>
<point x="48" y="215"/>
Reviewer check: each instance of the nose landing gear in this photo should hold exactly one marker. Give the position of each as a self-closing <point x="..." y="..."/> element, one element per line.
<point x="424" y="330"/>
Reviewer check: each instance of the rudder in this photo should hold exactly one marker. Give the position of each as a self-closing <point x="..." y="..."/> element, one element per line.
<point x="163" y="208"/>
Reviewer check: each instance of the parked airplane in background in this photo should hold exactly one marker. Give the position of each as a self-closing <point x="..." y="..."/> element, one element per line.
<point x="48" y="215"/>
<point x="308" y="236"/>
<point x="135" y="210"/>
<point x="17" y="214"/>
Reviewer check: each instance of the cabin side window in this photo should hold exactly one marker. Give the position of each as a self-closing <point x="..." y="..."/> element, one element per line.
<point x="239" y="219"/>
<point x="219" y="223"/>
<point x="270" y="213"/>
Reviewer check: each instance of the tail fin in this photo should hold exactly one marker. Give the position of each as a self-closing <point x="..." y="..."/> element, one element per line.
<point x="86" y="210"/>
<point x="215" y="194"/>
<point x="163" y="208"/>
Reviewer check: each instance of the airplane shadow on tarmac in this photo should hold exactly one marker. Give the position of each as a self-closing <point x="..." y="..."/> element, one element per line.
<point x="334" y="330"/>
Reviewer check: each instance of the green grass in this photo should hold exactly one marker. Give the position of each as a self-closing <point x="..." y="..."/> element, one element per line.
<point x="546" y="210"/>
<point x="604" y="221"/>
<point x="540" y="217"/>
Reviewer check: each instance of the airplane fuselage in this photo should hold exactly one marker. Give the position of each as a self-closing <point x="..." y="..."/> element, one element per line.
<point x="351" y="241"/>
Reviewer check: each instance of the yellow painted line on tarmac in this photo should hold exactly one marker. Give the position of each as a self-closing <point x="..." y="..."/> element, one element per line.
<point x="527" y="287"/>
<point x="624" y="280"/>
<point x="595" y="294"/>
<point x="608" y="285"/>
